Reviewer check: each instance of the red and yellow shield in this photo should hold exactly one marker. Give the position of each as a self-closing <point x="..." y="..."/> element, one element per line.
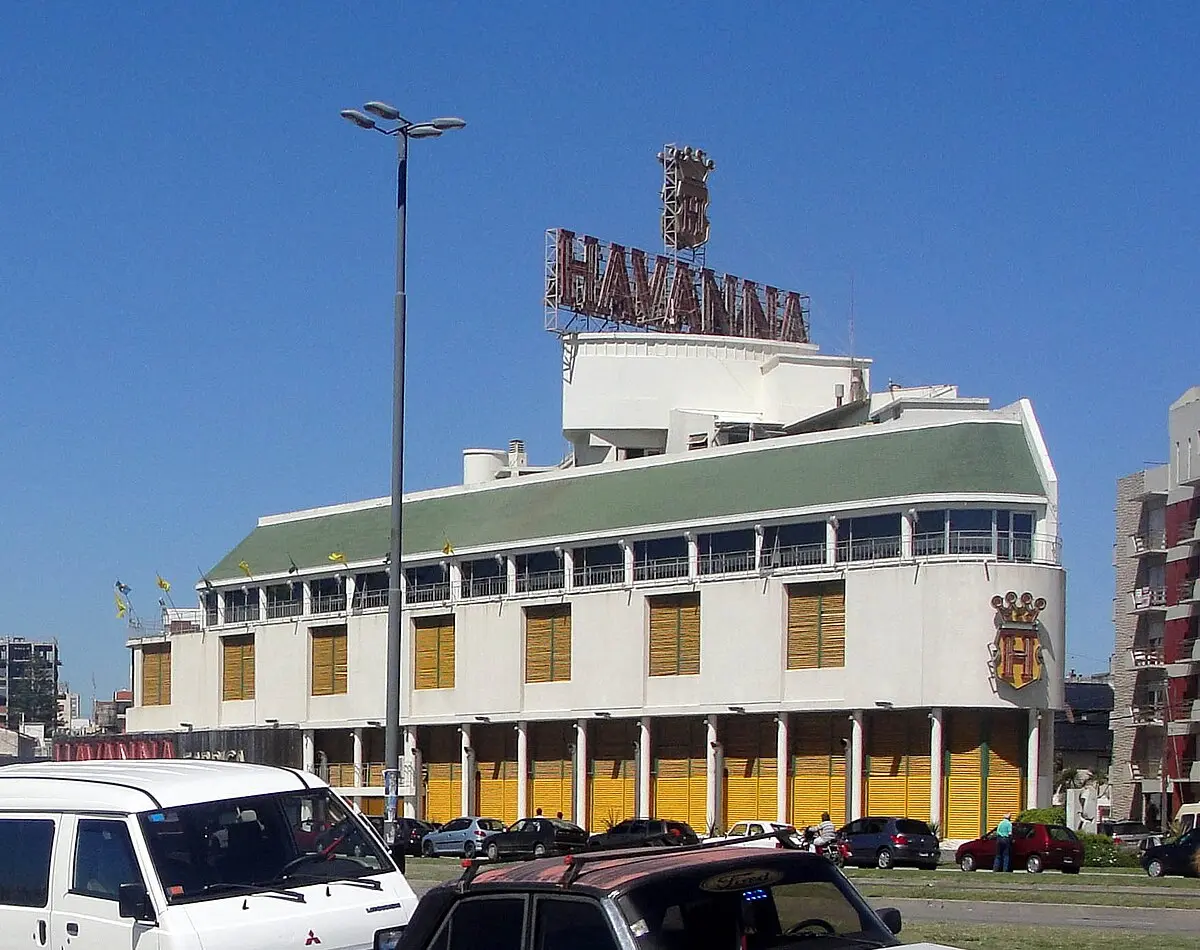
<point x="1017" y="655"/>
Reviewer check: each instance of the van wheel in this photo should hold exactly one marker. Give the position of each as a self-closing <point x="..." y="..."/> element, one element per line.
<point x="427" y="849"/>
<point x="493" y="852"/>
<point x="967" y="862"/>
<point x="1155" y="868"/>
<point x="883" y="860"/>
<point x="1034" y="864"/>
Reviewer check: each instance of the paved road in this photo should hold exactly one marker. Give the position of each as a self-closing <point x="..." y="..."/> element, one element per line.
<point x="1146" y="920"/>
<point x="1140" y="919"/>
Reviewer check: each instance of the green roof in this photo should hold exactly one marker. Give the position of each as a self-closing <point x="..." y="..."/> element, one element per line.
<point x="971" y="457"/>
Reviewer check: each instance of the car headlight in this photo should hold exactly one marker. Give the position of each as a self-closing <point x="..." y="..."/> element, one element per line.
<point x="388" y="939"/>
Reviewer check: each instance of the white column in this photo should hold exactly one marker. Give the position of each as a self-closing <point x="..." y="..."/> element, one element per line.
<point x="627" y="550"/>
<point x="510" y="571"/>
<point x="1046" y="772"/>
<point x="908" y="523"/>
<point x="262" y="602"/>
<point x="581" y="760"/>
<point x="856" y="764"/>
<point x="306" y="597"/>
<point x="937" y="752"/>
<point x="308" y="751"/>
<point x="349" y="582"/>
<point x="831" y="535"/>
<point x="758" y="547"/>
<point x="781" y="768"/>
<point x="644" y="760"/>
<point x="467" y="764"/>
<point x="522" y="769"/>
<point x="220" y="606"/>
<point x="360" y="778"/>
<point x="455" y="582"/>
<point x="412" y="754"/>
<point x="568" y="565"/>
<point x="693" y="555"/>
<point x="712" y="799"/>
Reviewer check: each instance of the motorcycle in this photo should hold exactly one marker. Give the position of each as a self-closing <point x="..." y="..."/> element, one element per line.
<point x="836" y="851"/>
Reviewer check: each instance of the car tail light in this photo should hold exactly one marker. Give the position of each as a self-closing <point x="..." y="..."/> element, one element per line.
<point x="481" y="832"/>
<point x="900" y="840"/>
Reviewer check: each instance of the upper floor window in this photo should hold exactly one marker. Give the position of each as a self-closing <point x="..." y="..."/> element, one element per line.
<point x="548" y="644"/>
<point x="434" y="665"/>
<point x="600" y="564"/>
<point x="871" y="538"/>
<point x="794" y="545"/>
<point x="329" y="660"/>
<point x="541" y="570"/>
<point x="427" y="584"/>
<point x="156" y="674"/>
<point x="241" y="605"/>
<point x="486" y="577"/>
<point x="675" y="635"/>
<point x="726" y="552"/>
<point x="660" y="558"/>
<point x="285" y="600"/>
<point x="371" y="590"/>
<point x="816" y="625"/>
<point x="237" y="667"/>
<point x="327" y="595"/>
<point x="209" y="600"/>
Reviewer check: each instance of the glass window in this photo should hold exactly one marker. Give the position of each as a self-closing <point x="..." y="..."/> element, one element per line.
<point x="458" y="824"/>
<point x="738" y="830"/>
<point x="25" y="871"/>
<point x="104" y="859"/>
<point x="522" y="825"/>
<point x="910" y="826"/>
<point x="971" y="519"/>
<point x="756" y="829"/>
<point x="483" y="923"/>
<point x="491" y="824"/>
<point x="1059" y="833"/>
<point x="571" y="925"/>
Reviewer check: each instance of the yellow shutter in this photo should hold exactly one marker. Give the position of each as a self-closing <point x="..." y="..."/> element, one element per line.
<point x="341" y="661"/>
<point x="560" y="643"/>
<point x="1004" y="784"/>
<point x="681" y="773"/>
<point x="434" y="652"/>
<point x="237" y="662"/>
<point x="964" y="776"/>
<point x="329" y="661"/>
<point x="611" y="773"/>
<point x="817" y="626"/>
<point x="675" y="635"/>
<point x="818" y="770"/>
<point x="156" y="674"/>
<point x="537" y="646"/>
<point x="750" y="770"/>
<point x="551" y="785"/>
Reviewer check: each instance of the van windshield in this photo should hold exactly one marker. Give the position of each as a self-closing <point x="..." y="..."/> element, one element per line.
<point x="290" y="839"/>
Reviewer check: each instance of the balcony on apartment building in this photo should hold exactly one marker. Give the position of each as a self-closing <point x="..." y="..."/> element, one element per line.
<point x="1148" y="600"/>
<point x="1147" y="657"/>
<point x="1146" y="710"/>
<point x="1185" y="718"/>
<point x="1148" y="543"/>
<point x="1145" y="769"/>
<point x="1189" y="533"/>
<point x="1188" y="591"/>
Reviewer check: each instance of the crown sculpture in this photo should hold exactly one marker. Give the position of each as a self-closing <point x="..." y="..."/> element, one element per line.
<point x="1022" y="610"/>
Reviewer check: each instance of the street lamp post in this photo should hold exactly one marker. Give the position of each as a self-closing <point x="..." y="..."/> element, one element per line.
<point x="403" y="130"/>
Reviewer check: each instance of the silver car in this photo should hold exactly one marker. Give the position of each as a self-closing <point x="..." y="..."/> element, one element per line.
<point x="462" y="836"/>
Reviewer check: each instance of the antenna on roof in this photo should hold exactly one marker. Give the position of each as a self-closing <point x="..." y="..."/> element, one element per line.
<point x="850" y="327"/>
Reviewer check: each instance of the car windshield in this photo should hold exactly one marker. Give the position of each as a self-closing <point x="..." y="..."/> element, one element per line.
<point x="1129" y="828"/>
<point x="285" y="840"/>
<point x="754" y="908"/>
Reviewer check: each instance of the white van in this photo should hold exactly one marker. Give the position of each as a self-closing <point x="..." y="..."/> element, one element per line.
<point x="1188" y="817"/>
<point x="190" y="855"/>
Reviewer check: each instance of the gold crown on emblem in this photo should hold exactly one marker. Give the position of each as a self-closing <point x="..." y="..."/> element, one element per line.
<point x="1022" y="609"/>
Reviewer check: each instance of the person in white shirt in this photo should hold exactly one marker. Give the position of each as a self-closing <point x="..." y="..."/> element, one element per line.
<point x="826" y="831"/>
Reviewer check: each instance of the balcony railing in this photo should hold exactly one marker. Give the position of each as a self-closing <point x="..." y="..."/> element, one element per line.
<point x="1146" y="712"/>
<point x="1144" y="658"/>
<point x="540" y="580"/>
<point x="428" y="593"/>
<point x="1188" y="590"/>
<point x="661" y="569"/>
<point x="341" y="775"/>
<point x="1189" y="532"/>
<point x="485" y="586"/>
<point x="328" y="603"/>
<point x="1152" y="543"/>
<point x="597" y="575"/>
<point x="1149" y="598"/>
<point x="795" y="555"/>
<point x="368" y="599"/>
<point x="278" y="609"/>
<point x="868" y="549"/>
<point x="729" y="562"/>
<point x="241" y="613"/>
<point x="1146" y="770"/>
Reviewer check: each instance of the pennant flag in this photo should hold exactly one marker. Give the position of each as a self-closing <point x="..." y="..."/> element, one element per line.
<point x="293" y="569"/>
<point x="122" y="607"/>
<point x="447" y="548"/>
<point x="122" y="588"/>
<point x="245" y="568"/>
<point x="338" y="557"/>
<point x="163" y="583"/>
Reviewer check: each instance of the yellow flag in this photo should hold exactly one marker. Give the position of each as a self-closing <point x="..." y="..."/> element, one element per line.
<point x="121" y="605"/>
<point x="338" y="557"/>
<point x="447" y="548"/>
<point x="245" y="567"/>
<point x="163" y="583"/>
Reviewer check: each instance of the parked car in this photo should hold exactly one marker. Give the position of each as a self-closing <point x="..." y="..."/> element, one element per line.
<point x="1035" y="848"/>
<point x="891" y="842"/>
<point x="537" y="838"/>
<point x="1178" y="856"/>
<point x="711" y="896"/>
<point x="464" y="836"/>
<point x="1126" y="834"/>
<point x="753" y="827"/>
<point x="641" y="832"/>
<point x="409" y="832"/>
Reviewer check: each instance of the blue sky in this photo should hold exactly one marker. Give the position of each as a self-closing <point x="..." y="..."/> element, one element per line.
<point x="196" y="252"/>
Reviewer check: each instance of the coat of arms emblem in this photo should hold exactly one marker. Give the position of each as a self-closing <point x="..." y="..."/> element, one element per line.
<point x="1017" y="652"/>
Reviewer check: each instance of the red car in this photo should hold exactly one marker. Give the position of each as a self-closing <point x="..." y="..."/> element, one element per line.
<point x="1034" y="848"/>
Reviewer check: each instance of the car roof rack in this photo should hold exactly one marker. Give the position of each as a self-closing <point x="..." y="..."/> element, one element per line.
<point x="574" y="864"/>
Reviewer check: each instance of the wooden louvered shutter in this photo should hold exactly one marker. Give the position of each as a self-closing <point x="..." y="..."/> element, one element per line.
<point x="341" y="661"/>
<point x="237" y="662"/>
<point x="445" y="659"/>
<point x="803" y="628"/>
<point x="833" y="625"/>
<point x="329" y="661"/>
<point x="537" y="647"/>
<point x="156" y="675"/>
<point x="664" y="637"/>
<point x="427" y="653"/>
<point x="164" y="676"/>
<point x="560" y="645"/>
<point x="248" y="668"/>
<point x="689" y="636"/>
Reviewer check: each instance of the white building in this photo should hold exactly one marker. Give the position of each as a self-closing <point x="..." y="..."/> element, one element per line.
<point x="755" y="590"/>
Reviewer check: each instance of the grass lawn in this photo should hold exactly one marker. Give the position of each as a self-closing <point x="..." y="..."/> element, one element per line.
<point x="876" y="890"/>
<point x="1005" y="937"/>
<point x="1048" y="879"/>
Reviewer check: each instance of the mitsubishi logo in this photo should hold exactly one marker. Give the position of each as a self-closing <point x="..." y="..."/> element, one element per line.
<point x="312" y="939"/>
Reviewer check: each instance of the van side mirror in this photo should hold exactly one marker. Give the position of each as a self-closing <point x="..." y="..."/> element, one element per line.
<point x="891" y="918"/>
<point x="134" y="902"/>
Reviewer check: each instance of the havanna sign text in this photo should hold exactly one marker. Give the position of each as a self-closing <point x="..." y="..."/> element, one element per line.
<point x="599" y="279"/>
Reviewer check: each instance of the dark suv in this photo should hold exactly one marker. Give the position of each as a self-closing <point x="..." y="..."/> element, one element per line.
<point x="643" y="832"/>
<point x="704" y="897"/>
<point x="891" y="842"/>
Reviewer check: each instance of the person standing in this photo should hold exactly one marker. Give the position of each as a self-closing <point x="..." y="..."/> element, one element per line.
<point x="1004" y="832"/>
